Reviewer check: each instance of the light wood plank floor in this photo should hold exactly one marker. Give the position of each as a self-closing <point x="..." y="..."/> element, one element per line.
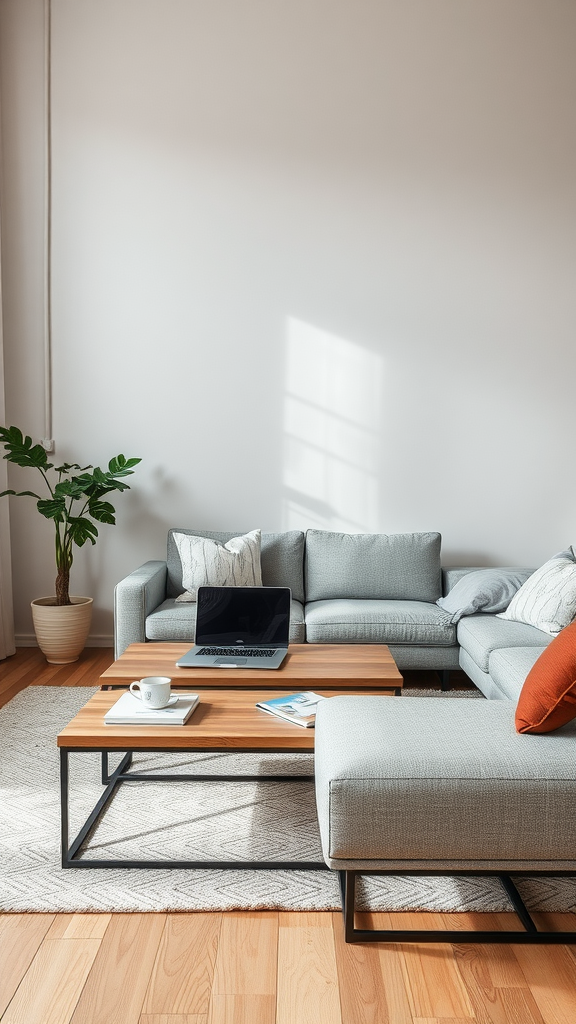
<point x="266" y="967"/>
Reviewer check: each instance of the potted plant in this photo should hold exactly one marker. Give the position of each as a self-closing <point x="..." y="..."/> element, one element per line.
<point x="74" y="504"/>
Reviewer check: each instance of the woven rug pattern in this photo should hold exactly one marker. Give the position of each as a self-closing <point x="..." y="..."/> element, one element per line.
<point x="210" y="820"/>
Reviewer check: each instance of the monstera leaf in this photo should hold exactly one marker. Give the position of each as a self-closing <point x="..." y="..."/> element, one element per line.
<point x="22" y="451"/>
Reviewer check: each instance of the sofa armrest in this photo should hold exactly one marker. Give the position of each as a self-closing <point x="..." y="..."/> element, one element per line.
<point x="134" y="598"/>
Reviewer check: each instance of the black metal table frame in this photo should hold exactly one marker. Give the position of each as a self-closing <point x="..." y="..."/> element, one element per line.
<point x="112" y="780"/>
<point x="71" y="852"/>
<point x="530" y="935"/>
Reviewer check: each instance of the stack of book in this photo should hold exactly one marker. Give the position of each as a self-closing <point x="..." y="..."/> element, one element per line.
<point x="130" y="710"/>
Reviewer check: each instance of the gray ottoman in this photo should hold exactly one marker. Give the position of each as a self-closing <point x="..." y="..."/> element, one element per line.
<point x="426" y="785"/>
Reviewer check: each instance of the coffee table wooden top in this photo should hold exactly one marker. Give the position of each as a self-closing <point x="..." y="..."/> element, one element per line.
<point x="226" y="720"/>
<point x="307" y="666"/>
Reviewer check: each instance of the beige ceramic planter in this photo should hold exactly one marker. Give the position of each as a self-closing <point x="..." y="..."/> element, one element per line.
<point x="62" y="630"/>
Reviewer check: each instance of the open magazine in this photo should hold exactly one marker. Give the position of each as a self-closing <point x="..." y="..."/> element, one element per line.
<point x="299" y="708"/>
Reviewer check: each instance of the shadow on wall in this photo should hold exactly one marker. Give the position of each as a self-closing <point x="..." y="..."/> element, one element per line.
<point x="332" y="432"/>
<point x="152" y="515"/>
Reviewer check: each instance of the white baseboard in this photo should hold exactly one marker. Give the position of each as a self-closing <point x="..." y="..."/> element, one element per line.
<point x="94" y="640"/>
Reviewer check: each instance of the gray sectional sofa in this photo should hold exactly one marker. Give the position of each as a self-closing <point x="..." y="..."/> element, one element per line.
<point x="349" y="588"/>
<point x="346" y="588"/>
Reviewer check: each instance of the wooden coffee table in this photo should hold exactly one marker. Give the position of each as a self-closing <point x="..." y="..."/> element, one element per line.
<point x="225" y="720"/>
<point x="353" y="668"/>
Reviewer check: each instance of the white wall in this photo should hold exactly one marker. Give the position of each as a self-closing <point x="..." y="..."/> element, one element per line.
<point x="313" y="261"/>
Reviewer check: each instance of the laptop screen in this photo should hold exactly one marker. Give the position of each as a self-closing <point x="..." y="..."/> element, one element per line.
<point x="251" y="616"/>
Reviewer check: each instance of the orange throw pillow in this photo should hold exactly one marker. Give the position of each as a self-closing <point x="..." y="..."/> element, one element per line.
<point x="548" y="697"/>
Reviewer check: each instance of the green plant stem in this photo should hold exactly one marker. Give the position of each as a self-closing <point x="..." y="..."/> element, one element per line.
<point x="46" y="481"/>
<point x="63" y="587"/>
<point x="64" y="559"/>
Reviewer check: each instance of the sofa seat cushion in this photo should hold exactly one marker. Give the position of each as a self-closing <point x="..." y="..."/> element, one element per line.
<point x="177" y="622"/>
<point x="482" y="680"/>
<point x="509" y="667"/>
<point x="378" y="622"/>
<point x="433" y="780"/>
<point x="479" y="635"/>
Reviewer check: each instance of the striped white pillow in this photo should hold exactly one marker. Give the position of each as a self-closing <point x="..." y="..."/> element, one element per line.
<point x="548" y="598"/>
<point x="209" y="563"/>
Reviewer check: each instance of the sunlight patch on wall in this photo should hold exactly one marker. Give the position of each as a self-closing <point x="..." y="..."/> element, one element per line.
<point x="332" y="417"/>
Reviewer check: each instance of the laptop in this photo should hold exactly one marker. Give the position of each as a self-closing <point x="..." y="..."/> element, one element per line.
<point x="240" y="627"/>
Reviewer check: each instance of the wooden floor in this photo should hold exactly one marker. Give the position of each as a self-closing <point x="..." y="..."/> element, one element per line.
<point x="261" y="968"/>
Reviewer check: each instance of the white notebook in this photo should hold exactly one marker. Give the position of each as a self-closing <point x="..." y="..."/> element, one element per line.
<point x="129" y="710"/>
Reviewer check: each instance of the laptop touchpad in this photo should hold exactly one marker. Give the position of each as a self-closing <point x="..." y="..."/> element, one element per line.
<point x="228" y="662"/>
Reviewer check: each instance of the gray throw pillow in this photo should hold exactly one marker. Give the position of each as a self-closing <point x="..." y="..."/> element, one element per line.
<point x="484" y="590"/>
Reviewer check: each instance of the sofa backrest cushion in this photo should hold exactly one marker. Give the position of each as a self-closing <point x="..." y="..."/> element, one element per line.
<point x="372" y="566"/>
<point x="282" y="559"/>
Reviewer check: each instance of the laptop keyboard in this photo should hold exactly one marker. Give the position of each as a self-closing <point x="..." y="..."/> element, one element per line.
<point x="233" y="652"/>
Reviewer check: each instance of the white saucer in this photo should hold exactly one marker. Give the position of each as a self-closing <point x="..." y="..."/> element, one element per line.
<point x="173" y="700"/>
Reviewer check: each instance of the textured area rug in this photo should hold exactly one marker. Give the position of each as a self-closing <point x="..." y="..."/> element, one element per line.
<point x="211" y="820"/>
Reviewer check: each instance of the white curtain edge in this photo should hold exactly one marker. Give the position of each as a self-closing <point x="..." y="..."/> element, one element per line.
<point x="7" y="639"/>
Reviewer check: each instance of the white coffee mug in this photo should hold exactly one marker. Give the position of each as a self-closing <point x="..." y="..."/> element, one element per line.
<point x="154" y="691"/>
